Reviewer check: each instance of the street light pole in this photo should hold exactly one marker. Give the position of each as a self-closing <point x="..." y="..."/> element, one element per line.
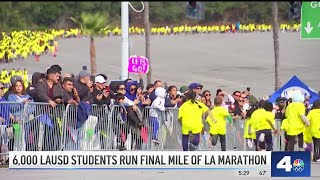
<point x="124" y="39"/>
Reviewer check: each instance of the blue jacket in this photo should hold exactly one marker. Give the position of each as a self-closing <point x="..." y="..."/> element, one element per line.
<point x="83" y="113"/>
<point x="168" y="102"/>
<point x="133" y="96"/>
<point x="152" y="96"/>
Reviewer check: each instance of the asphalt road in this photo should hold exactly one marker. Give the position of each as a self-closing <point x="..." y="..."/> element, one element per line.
<point x="227" y="61"/>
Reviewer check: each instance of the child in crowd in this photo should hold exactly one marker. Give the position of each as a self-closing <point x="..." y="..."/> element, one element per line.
<point x="119" y="126"/>
<point x="157" y="104"/>
<point x="249" y="133"/>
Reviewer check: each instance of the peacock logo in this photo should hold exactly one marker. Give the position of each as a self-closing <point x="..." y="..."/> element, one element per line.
<point x="298" y="165"/>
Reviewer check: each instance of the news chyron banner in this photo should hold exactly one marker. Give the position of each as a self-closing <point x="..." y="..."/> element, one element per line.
<point x="242" y="163"/>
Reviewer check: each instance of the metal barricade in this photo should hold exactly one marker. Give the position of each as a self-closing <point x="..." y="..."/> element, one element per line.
<point x="11" y="118"/>
<point x="173" y="138"/>
<point x="86" y="133"/>
<point x="278" y="140"/>
<point x="42" y="127"/>
<point x="146" y="129"/>
<point x="118" y="130"/>
<point x="70" y="129"/>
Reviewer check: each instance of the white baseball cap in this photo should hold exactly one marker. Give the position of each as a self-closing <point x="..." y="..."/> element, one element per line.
<point x="100" y="79"/>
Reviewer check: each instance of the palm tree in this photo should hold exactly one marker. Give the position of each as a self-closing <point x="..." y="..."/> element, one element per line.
<point x="90" y="25"/>
<point x="276" y="44"/>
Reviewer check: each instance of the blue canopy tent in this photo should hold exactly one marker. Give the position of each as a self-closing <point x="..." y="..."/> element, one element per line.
<point x="294" y="84"/>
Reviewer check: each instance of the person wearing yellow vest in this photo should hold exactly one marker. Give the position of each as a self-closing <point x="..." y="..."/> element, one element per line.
<point x="295" y="113"/>
<point x="314" y="117"/>
<point x="249" y="132"/>
<point x="263" y="122"/>
<point x="190" y="116"/>
<point x="218" y="128"/>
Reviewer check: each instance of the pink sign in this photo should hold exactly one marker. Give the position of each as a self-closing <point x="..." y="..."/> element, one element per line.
<point x="138" y="64"/>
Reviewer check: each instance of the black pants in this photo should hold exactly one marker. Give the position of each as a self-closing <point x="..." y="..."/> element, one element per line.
<point x="222" y="138"/>
<point x="267" y="144"/>
<point x="292" y="141"/>
<point x="287" y="140"/>
<point x="316" y="146"/>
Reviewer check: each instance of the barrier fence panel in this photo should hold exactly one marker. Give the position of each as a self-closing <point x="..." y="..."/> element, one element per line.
<point x="278" y="143"/>
<point x="69" y="140"/>
<point x="86" y="133"/>
<point x="173" y="135"/>
<point x="119" y="128"/>
<point x="94" y="132"/>
<point x="42" y="127"/>
<point x="11" y="118"/>
<point x="129" y="128"/>
<point x="234" y="136"/>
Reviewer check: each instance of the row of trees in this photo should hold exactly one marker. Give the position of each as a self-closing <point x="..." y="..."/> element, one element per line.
<point x="43" y="15"/>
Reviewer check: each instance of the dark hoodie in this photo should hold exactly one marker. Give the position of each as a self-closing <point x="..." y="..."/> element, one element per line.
<point x="31" y="89"/>
<point x="133" y="96"/>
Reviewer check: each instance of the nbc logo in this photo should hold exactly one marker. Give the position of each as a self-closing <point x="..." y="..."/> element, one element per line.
<point x="298" y="165"/>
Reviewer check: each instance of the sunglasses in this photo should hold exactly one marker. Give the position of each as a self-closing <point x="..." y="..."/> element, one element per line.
<point x="121" y="89"/>
<point x="133" y="89"/>
<point x="207" y="94"/>
<point x="2" y="88"/>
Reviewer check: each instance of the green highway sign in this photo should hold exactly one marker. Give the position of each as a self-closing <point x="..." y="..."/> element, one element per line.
<point x="310" y="20"/>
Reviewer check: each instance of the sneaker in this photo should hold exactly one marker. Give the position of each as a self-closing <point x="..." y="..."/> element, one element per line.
<point x="156" y="141"/>
<point x="249" y="143"/>
<point x="192" y="147"/>
<point x="122" y="148"/>
<point x="261" y="137"/>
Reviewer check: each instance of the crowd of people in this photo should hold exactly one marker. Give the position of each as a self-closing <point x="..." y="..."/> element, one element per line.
<point x="197" y="111"/>
<point x="18" y="45"/>
<point x="22" y="44"/>
<point x="197" y="29"/>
